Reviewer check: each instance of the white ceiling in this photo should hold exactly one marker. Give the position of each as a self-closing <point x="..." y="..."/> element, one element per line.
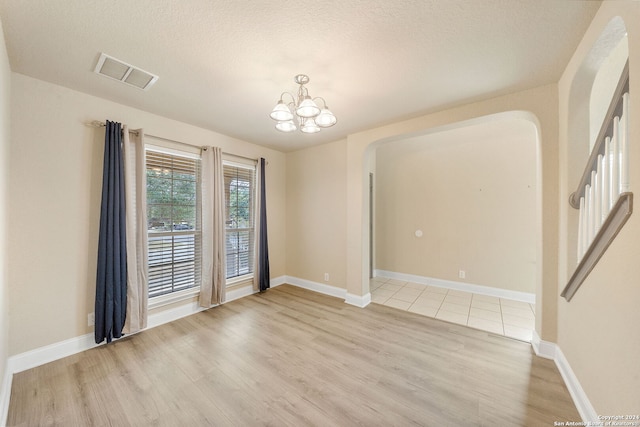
<point x="223" y="64"/>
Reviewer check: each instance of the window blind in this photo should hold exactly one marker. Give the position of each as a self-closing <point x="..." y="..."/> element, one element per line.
<point x="240" y="219"/>
<point x="173" y="214"/>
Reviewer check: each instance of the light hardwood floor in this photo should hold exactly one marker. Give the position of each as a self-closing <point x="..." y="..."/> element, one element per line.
<point x="295" y="357"/>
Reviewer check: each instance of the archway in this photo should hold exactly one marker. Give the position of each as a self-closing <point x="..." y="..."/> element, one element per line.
<point x="360" y="154"/>
<point x="456" y="213"/>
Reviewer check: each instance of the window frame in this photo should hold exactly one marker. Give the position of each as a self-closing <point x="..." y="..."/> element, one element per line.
<point x="188" y="293"/>
<point x="250" y="166"/>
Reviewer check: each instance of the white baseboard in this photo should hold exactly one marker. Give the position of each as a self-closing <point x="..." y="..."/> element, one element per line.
<point x="317" y="287"/>
<point x="49" y="353"/>
<point x="543" y="349"/>
<point x="240" y="292"/>
<point x="281" y="280"/>
<point x="550" y="350"/>
<point x="580" y="398"/>
<point x="166" y="316"/>
<point x="358" y="301"/>
<point x="460" y="286"/>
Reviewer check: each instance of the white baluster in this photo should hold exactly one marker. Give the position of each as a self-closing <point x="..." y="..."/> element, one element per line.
<point x="589" y="214"/>
<point x="618" y="142"/>
<point x="615" y="169"/>
<point x="597" y="194"/>
<point x="594" y="205"/>
<point x="624" y="144"/>
<point x="585" y="223"/>
<point x="580" y="251"/>
<point x="606" y="184"/>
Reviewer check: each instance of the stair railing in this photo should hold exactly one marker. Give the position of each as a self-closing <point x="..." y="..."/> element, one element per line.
<point x="603" y="197"/>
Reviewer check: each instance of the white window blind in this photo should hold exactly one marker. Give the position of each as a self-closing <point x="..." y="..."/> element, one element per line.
<point x="239" y="185"/>
<point x="173" y="215"/>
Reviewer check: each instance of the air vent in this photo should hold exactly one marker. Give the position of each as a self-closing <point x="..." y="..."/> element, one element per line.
<point x="115" y="69"/>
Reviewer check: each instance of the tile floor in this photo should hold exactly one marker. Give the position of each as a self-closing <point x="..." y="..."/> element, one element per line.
<point x="514" y="319"/>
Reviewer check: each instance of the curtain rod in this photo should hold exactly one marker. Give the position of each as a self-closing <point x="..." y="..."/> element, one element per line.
<point x="99" y="124"/>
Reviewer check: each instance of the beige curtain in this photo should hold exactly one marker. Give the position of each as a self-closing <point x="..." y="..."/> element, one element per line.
<point x="212" y="290"/>
<point x="135" y="179"/>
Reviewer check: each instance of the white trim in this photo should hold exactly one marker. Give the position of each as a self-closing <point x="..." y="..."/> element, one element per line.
<point x="357" y="300"/>
<point x="543" y="349"/>
<point x="166" y="316"/>
<point x="184" y="153"/>
<point x="49" y="353"/>
<point x="5" y="394"/>
<point x="460" y="286"/>
<point x="281" y="280"/>
<point x="239" y="162"/>
<point x="240" y="292"/>
<point x="239" y="279"/>
<point x="173" y="297"/>
<point x="550" y="350"/>
<point x="580" y="398"/>
<point x="317" y="287"/>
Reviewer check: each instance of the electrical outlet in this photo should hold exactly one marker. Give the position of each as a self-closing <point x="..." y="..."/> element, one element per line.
<point x="462" y="274"/>
<point x="326" y="277"/>
<point x="91" y="319"/>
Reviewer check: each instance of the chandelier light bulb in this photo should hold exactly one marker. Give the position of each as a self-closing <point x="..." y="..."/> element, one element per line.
<point x="310" y="117"/>
<point x="326" y="118"/>
<point x="307" y="108"/>
<point x="286" y="126"/>
<point x="310" y="126"/>
<point x="281" y="112"/>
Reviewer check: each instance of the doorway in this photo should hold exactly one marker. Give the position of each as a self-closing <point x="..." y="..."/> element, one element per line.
<point x="456" y="225"/>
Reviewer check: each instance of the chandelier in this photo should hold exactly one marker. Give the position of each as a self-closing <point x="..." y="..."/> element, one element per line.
<point x="308" y="115"/>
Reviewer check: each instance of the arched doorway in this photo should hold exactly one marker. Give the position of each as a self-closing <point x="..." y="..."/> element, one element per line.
<point x="361" y="150"/>
<point x="456" y="225"/>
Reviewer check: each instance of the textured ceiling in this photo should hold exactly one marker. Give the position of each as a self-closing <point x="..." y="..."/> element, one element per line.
<point x="223" y="64"/>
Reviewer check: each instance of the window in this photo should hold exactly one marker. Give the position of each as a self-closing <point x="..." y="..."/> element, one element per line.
<point x="173" y="215"/>
<point x="239" y="189"/>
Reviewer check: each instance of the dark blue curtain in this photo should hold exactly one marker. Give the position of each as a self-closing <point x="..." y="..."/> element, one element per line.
<point x="263" y="248"/>
<point x="111" y="281"/>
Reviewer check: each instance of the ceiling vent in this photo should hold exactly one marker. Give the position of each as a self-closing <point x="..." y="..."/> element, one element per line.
<point x="121" y="71"/>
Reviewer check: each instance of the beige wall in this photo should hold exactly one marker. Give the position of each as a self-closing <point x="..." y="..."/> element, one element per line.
<point x="316" y="221"/>
<point x="5" y="89"/>
<point x="54" y="198"/>
<point x="538" y="105"/>
<point x="598" y="329"/>
<point x="471" y="191"/>
<point x="604" y="86"/>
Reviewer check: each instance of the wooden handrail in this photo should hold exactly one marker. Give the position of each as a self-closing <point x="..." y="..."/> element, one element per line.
<point x="618" y="216"/>
<point x="615" y="109"/>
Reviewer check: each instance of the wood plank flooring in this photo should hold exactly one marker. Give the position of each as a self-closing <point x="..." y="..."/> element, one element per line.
<point x="292" y="357"/>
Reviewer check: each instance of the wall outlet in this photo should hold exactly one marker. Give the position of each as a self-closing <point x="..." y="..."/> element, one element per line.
<point x="326" y="277"/>
<point x="462" y="274"/>
<point x="91" y="319"/>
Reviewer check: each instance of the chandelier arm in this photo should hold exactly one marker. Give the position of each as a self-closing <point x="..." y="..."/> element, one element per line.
<point x="287" y="93"/>
<point x="323" y="101"/>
